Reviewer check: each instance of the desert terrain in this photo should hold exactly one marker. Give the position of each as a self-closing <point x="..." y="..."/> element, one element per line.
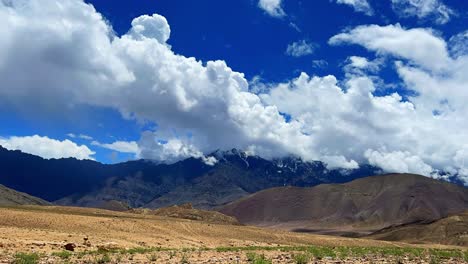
<point x="39" y="234"/>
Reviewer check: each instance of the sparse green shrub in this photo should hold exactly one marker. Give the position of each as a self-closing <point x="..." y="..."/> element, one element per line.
<point x="153" y="257"/>
<point x="322" y="252"/>
<point x="104" y="259"/>
<point x="257" y="259"/>
<point x="184" y="259"/>
<point x="25" y="258"/>
<point x="301" y="258"/>
<point x="63" y="254"/>
<point x="251" y="256"/>
<point x="434" y="260"/>
<point x="343" y="252"/>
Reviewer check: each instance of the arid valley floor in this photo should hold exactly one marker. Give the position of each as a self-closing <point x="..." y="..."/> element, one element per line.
<point x="35" y="234"/>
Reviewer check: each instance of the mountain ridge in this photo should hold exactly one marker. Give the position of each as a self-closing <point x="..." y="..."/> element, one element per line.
<point x="140" y="183"/>
<point x="365" y="204"/>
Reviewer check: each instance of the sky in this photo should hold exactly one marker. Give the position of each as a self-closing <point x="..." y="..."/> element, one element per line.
<point x="347" y="82"/>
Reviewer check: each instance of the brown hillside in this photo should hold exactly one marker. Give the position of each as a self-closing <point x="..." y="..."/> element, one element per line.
<point x="10" y="197"/>
<point x="186" y="211"/>
<point x="452" y="230"/>
<point x="362" y="205"/>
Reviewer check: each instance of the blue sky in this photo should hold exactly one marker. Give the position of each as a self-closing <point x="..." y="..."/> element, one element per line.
<point x="253" y="41"/>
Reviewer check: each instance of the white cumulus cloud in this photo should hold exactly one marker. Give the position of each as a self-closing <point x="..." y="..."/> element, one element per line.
<point x="300" y="48"/>
<point x="47" y="148"/>
<point x="398" y="161"/>
<point x="419" y="45"/>
<point x="120" y="146"/>
<point x="272" y="7"/>
<point x="59" y="54"/>
<point x="358" y="5"/>
<point x="434" y="9"/>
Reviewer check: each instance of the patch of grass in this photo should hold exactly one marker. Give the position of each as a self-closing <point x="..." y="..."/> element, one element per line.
<point x="104" y="259"/>
<point x="301" y="258"/>
<point x="25" y="258"/>
<point x="63" y="254"/>
<point x="318" y="252"/>
<point x="257" y="259"/>
<point x="138" y="250"/>
<point x="184" y="259"/>
<point x="434" y="260"/>
<point x="153" y="257"/>
<point x="447" y="254"/>
<point x="322" y="252"/>
<point x="251" y="256"/>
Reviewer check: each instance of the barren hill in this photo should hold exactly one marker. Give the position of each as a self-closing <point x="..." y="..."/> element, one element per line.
<point x="360" y="206"/>
<point x="452" y="230"/>
<point x="9" y="197"/>
<point x="186" y="211"/>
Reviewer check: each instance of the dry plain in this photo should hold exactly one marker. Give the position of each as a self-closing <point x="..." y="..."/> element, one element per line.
<point x="38" y="234"/>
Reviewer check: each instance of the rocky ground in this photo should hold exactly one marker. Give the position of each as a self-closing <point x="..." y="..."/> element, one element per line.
<point x="43" y="235"/>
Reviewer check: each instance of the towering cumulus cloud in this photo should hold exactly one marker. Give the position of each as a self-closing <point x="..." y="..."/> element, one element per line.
<point x="58" y="54"/>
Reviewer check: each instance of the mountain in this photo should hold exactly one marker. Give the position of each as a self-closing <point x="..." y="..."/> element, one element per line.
<point x="143" y="183"/>
<point x="451" y="230"/>
<point x="186" y="211"/>
<point x="234" y="176"/>
<point x="10" y="197"/>
<point x="353" y="208"/>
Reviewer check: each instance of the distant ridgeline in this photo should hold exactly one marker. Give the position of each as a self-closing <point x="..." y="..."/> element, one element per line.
<point x="143" y="183"/>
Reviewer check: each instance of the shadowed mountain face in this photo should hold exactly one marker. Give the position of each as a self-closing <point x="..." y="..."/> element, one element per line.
<point x="147" y="184"/>
<point x="9" y="197"/>
<point x="365" y="204"/>
<point x="452" y="230"/>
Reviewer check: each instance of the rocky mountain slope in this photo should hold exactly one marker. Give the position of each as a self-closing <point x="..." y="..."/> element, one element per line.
<point x="360" y="206"/>
<point x="144" y="183"/>
<point x="451" y="230"/>
<point x="9" y="197"/>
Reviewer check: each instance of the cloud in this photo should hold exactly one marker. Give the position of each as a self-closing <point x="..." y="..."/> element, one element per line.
<point x="398" y="161"/>
<point x="153" y="27"/>
<point x="171" y="150"/>
<point x="358" y="5"/>
<point x="439" y="92"/>
<point x="78" y="60"/>
<point x="459" y="44"/>
<point x="361" y="66"/>
<point x="419" y="45"/>
<point x="272" y="7"/>
<point x="435" y="9"/>
<point x="60" y="54"/>
<point x="86" y="137"/>
<point x="47" y="148"/>
<point x="300" y="48"/>
<point x="319" y="64"/>
<point x="120" y="146"/>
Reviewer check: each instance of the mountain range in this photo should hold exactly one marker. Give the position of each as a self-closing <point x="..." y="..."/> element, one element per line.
<point x="287" y="194"/>
<point x="143" y="183"/>
<point x="355" y="208"/>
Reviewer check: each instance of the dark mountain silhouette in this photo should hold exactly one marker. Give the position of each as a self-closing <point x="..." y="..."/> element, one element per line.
<point x="360" y="206"/>
<point x="144" y="183"/>
<point x="10" y="197"/>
